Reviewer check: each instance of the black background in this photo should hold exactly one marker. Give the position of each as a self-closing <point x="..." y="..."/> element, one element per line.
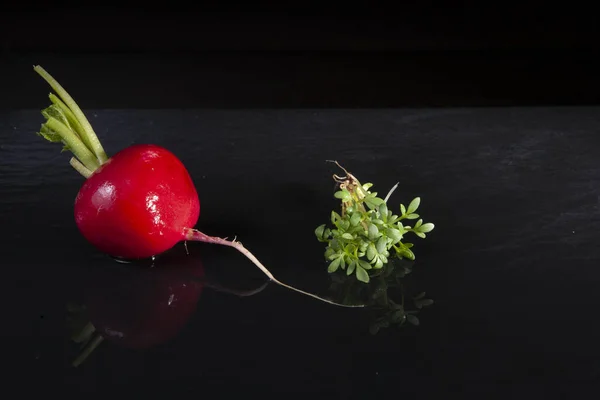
<point x="309" y="55"/>
<point x="253" y="102"/>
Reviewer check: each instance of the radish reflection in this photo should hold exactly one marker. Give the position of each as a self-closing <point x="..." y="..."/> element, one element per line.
<point x="141" y="304"/>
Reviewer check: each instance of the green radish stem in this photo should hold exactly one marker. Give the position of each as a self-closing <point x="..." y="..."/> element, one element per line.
<point x="79" y="167"/>
<point x="86" y="128"/>
<point x="72" y="119"/>
<point x="75" y="144"/>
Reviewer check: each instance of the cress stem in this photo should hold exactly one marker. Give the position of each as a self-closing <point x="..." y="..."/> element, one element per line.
<point x="390" y="192"/>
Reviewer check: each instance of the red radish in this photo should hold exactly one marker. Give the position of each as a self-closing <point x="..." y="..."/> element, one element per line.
<point x="140" y="202"/>
<point x="138" y="214"/>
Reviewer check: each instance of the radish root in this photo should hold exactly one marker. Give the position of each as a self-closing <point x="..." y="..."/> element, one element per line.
<point x="195" y="235"/>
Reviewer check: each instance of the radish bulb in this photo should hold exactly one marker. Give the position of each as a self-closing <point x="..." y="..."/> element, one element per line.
<point x="136" y="204"/>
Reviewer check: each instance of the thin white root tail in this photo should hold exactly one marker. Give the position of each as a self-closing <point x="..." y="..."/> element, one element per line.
<point x="193" y="234"/>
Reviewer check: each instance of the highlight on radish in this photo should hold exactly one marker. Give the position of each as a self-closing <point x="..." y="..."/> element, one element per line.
<point x="138" y="203"/>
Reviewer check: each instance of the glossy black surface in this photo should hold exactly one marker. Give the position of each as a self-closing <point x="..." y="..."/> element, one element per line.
<point x="512" y="264"/>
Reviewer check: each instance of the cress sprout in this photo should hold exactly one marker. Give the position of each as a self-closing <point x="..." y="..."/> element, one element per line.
<point x="366" y="233"/>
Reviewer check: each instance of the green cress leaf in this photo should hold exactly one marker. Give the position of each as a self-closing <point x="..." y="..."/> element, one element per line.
<point x="361" y="274"/>
<point x="351" y="267"/>
<point x="373" y="232"/>
<point x="412" y="207"/>
<point x="334" y="265"/>
<point x="355" y="219"/>
<point x="425" y="228"/>
<point x="381" y="245"/>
